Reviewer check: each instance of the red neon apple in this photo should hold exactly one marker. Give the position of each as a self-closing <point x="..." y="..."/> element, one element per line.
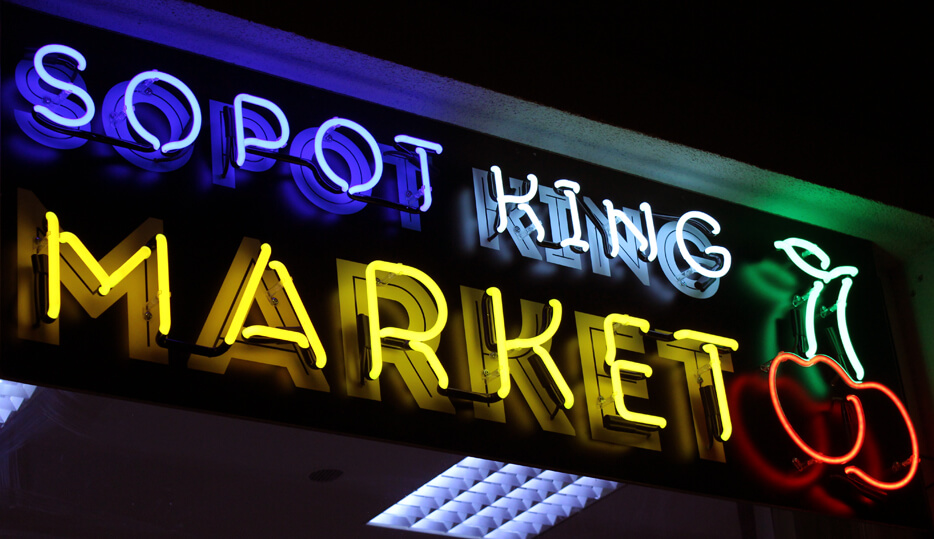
<point x="860" y="419"/>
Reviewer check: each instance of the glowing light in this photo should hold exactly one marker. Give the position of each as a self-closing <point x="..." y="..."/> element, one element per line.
<point x="419" y="143"/>
<point x="420" y="147"/>
<point x="334" y="123"/>
<point x="12" y="397"/>
<point x="616" y="365"/>
<point x="414" y="339"/>
<point x="278" y="334"/>
<point x="246" y="300"/>
<point x="575" y="240"/>
<point x="107" y="282"/>
<point x="857" y="404"/>
<point x="649" y="241"/>
<point x="163" y="293"/>
<point x="66" y="87"/>
<point x="844" y="332"/>
<point x="913" y="459"/>
<point x="504" y="346"/>
<point x="300" y="312"/>
<point x="791" y="246"/>
<point x="650" y="230"/>
<point x="853" y="470"/>
<point x="243" y="142"/>
<point x="609" y="331"/>
<point x="484" y="498"/>
<point x="713" y="250"/>
<point x="520" y="200"/>
<point x="53" y="245"/>
<point x="810" y="313"/>
<point x="146" y="135"/>
<point x="710" y="346"/>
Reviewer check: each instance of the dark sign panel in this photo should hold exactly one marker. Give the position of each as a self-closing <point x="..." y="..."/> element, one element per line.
<point x="188" y="232"/>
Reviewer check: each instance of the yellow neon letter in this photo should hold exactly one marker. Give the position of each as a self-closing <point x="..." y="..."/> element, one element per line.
<point x="301" y="313"/>
<point x="162" y="293"/>
<point x="503" y="346"/>
<point x="52" y="241"/>
<point x="414" y="339"/>
<point x="711" y="342"/>
<point x="616" y="365"/>
<point x="308" y="337"/>
<point x="107" y="282"/>
<point x="246" y="299"/>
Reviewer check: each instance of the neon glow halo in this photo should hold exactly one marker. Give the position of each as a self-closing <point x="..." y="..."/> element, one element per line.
<point x="146" y="135"/>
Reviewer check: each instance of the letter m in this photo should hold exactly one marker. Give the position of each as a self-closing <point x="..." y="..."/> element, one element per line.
<point x="50" y="260"/>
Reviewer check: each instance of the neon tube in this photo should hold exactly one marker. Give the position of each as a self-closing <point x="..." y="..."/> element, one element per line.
<point x="852" y="470"/>
<point x="243" y="142"/>
<point x="65" y="87"/>
<point x="300" y="312"/>
<point x="246" y="300"/>
<point x="810" y="314"/>
<point x="416" y="339"/>
<point x="844" y="332"/>
<point x="55" y="278"/>
<point x="616" y="365"/>
<point x="107" y="282"/>
<point x="857" y="404"/>
<point x="650" y="230"/>
<point x="275" y="333"/>
<point x="419" y="143"/>
<point x="615" y="216"/>
<point x="503" y="346"/>
<point x="162" y="278"/>
<point x="790" y="246"/>
<point x="710" y="346"/>
<point x="609" y="331"/>
<point x="521" y="201"/>
<point x="914" y="458"/>
<point x="334" y="123"/>
<point x="420" y="146"/>
<point x="575" y="239"/>
<point x="713" y="250"/>
<point x="426" y="180"/>
<point x="146" y="135"/>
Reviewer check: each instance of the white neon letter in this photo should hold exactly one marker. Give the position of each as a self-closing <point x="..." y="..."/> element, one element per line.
<point x="715" y="228"/>
<point x="334" y="123"/>
<point x="65" y="87"/>
<point x="575" y="239"/>
<point x="146" y="135"/>
<point x="243" y="142"/>
<point x="502" y="199"/>
<point x="615" y="216"/>
<point x="420" y="147"/>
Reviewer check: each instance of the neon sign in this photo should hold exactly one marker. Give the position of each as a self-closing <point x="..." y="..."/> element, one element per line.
<point x="797" y="250"/>
<point x="694" y="271"/>
<point x="379" y="338"/>
<point x="57" y="122"/>
<point x="790" y="246"/>
<point x="280" y="308"/>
